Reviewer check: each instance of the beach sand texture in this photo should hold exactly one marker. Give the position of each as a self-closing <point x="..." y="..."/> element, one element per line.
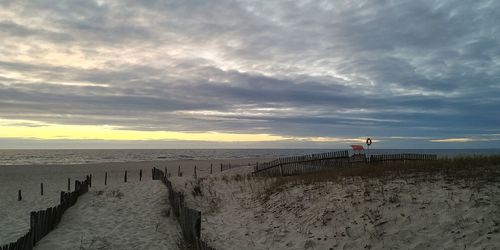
<point x="15" y="214"/>
<point x="120" y="216"/>
<point x="239" y="212"/>
<point x="428" y="212"/>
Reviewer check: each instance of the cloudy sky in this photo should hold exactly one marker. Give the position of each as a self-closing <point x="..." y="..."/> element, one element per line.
<point x="232" y="73"/>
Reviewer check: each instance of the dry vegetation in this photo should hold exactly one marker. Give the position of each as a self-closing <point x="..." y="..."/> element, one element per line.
<point x="461" y="167"/>
<point x="447" y="203"/>
<point x="475" y="170"/>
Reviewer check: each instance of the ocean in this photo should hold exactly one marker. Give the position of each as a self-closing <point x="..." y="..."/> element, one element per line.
<point x="82" y="156"/>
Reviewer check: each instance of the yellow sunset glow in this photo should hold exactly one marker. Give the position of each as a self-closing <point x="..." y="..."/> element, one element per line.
<point x="25" y="129"/>
<point x="45" y="131"/>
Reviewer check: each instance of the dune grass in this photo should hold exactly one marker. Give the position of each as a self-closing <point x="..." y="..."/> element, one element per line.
<point x="476" y="170"/>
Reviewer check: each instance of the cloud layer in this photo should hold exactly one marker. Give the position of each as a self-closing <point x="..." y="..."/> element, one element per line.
<point x="396" y="70"/>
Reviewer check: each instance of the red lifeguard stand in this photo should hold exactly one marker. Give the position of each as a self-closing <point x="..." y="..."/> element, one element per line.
<point x="359" y="153"/>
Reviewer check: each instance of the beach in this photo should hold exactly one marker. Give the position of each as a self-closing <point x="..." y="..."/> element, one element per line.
<point x="321" y="210"/>
<point x="400" y="210"/>
<point x="15" y="214"/>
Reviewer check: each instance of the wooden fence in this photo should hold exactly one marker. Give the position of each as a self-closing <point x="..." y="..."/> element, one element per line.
<point x="189" y="219"/>
<point x="316" y="162"/>
<point x="302" y="164"/>
<point x="227" y="166"/>
<point x="44" y="221"/>
<point x="402" y="157"/>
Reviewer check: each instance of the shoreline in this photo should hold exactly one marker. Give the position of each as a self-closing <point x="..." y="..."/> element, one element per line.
<point x="7" y="160"/>
<point x="223" y="160"/>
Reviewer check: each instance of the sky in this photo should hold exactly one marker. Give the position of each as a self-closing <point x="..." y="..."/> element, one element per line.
<point x="249" y="74"/>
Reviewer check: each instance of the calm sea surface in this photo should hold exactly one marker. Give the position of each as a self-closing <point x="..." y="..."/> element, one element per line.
<point x="43" y="157"/>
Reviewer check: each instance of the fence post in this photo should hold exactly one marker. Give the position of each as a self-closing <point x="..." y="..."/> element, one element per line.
<point x="41" y="189"/>
<point x="153" y="173"/>
<point x="69" y="184"/>
<point x="179" y="170"/>
<point x="166" y="171"/>
<point x="32" y="228"/>
<point x="19" y="196"/>
<point x="105" y="178"/>
<point x="125" y="177"/>
<point x="90" y="181"/>
<point x="281" y="167"/>
<point x="140" y="175"/>
<point x="210" y="168"/>
<point x="221" y="167"/>
<point x="195" y="171"/>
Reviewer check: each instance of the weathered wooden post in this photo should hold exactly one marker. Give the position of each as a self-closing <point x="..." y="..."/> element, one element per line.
<point x="125" y="177"/>
<point x="90" y="181"/>
<point x="105" y="178"/>
<point x="140" y="175"/>
<point x="221" y="167"/>
<point x="166" y="171"/>
<point x="179" y="171"/>
<point x="195" y="171"/>
<point x="41" y="189"/>
<point x="19" y="195"/>
<point x="153" y="173"/>
<point x="210" y="168"/>
<point x="69" y="184"/>
<point x="33" y="228"/>
<point x="281" y="167"/>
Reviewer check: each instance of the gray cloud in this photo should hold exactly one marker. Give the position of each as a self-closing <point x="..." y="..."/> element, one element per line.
<point x="319" y="68"/>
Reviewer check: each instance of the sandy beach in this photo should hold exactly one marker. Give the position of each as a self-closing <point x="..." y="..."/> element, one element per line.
<point x="397" y="211"/>
<point x="394" y="211"/>
<point x="15" y="214"/>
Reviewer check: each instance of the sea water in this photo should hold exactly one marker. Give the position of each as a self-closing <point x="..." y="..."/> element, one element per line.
<point x="82" y="156"/>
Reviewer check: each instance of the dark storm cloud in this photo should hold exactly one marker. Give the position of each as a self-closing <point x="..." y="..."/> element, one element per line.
<point x="300" y="68"/>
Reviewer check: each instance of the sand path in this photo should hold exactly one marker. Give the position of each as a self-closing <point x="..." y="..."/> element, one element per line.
<point x="122" y="216"/>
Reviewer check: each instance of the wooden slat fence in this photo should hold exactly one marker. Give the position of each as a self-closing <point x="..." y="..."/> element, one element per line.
<point x="316" y="162"/>
<point x="227" y="166"/>
<point x="189" y="219"/>
<point x="402" y="157"/>
<point x="302" y="164"/>
<point x="44" y="221"/>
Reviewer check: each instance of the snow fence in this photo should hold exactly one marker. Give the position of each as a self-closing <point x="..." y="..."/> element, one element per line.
<point x="44" y="221"/>
<point x="189" y="219"/>
<point x="296" y="165"/>
<point x="302" y="164"/>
